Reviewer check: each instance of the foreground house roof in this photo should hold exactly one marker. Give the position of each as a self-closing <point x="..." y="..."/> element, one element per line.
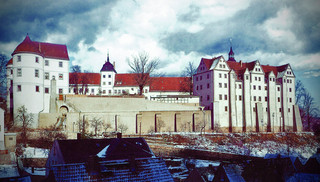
<point x="148" y="169"/>
<point x="47" y="50"/>
<point x="84" y="78"/>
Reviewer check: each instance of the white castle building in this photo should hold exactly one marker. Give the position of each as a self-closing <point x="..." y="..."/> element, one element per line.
<point x="30" y="72"/>
<point x="247" y="96"/>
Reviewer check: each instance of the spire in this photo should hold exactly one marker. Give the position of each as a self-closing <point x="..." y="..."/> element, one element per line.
<point x="231" y="53"/>
<point x="108" y="56"/>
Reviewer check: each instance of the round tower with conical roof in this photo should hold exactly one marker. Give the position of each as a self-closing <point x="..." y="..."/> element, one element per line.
<point x="27" y="63"/>
<point x="107" y="74"/>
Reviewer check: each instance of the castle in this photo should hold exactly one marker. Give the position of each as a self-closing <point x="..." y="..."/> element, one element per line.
<point x="240" y="96"/>
<point x="247" y="96"/>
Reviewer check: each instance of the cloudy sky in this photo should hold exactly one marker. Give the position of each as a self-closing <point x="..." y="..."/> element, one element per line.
<point x="273" y="32"/>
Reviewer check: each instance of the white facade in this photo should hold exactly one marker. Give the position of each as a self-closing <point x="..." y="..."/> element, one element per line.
<point x="29" y="78"/>
<point x="247" y="96"/>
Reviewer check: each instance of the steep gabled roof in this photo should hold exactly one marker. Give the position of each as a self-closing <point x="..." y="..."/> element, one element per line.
<point x="90" y="78"/>
<point x="208" y="62"/>
<point x="48" y="50"/>
<point x="166" y="84"/>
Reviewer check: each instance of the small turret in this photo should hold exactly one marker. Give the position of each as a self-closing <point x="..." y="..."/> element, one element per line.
<point x="231" y="53"/>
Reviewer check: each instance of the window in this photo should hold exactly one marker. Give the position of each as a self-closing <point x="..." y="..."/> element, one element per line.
<point x="290" y="90"/>
<point x="10" y="138"/>
<point x="278" y="99"/>
<point x="200" y="77"/>
<point x="254" y="87"/>
<point x="60" y="91"/>
<point x="207" y="76"/>
<point x="220" y="96"/>
<point x="259" y="78"/>
<point x="225" y="75"/>
<point x="115" y="91"/>
<point x="225" y="85"/>
<point x="196" y="78"/>
<point x="19" y="88"/>
<point x="200" y="87"/>
<point x="226" y="108"/>
<point x="225" y="97"/>
<point x="208" y="97"/>
<point x="220" y="85"/>
<point x="255" y="78"/>
<point x="19" y="59"/>
<point x="104" y="91"/>
<point x="254" y="109"/>
<point x="201" y="98"/>
<point x="270" y="79"/>
<point x="109" y="83"/>
<point x="288" y="109"/>
<point x="60" y="64"/>
<point x="290" y="100"/>
<point x="278" y="88"/>
<point x="109" y="91"/>
<point x="145" y="91"/>
<point x="266" y="109"/>
<point x="11" y="72"/>
<point x="224" y="66"/>
<point x="240" y="86"/>
<point x="46" y="75"/>
<point x="247" y="77"/>
<point x="266" y="99"/>
<point x="208" y="85"/>
<point x="37" y="60"/>
<point x="219" y="75"/>
<point x="254" y="98"/>
<point x="240" y="98"/>
<point x="46" y="90"/>
<point x="36" y="73"/>
<point x="60" y="76"/>
<point x="197" y="87"/>
<point x="104" y="76"/>
<point x="37" y="89"/>
<point x="259" y="98"/>
<point x="265" y="88"/>
<point x="103" y="83"/>
<point x="46" y="62"/>
<point x="109" y="76"/>
<point x="259" y="87"/>
<point x="280" y="110"/>
<point x="92" y="90"/>
<point x="19" y="72"/>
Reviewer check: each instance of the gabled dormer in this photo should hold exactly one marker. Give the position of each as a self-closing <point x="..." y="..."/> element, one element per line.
<point x="288" y="72"/>
<point x="257" y="68"/>
<point x="220" y="64"/>
<point x="204" y="65"/>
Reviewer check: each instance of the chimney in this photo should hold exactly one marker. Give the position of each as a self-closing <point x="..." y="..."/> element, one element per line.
<point x="114" y="65"/>
<point x="241" y="63"/>
<point x="119" y="135"/>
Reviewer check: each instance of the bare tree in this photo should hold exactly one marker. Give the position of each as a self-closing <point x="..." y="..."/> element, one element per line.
<point x="96" y="123"/>
<point x="143" y="67"/>
<point x="25" y="119"/>
<point x="82" y="125"/>
<point x="106" y="126"/>
<point x="123" y="128"/>
<point x="160" y="124"/>
<point x="308" y="109"/>
<point x="188" y="72"/>
<point x="3" y="74"/>
<point x="75" y="78"/>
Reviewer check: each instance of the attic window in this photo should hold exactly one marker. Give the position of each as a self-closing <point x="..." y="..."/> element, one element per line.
<point x="19" y="59"/>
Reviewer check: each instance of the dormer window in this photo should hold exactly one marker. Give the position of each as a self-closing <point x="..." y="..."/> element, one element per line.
<point x="37" y="59"/>
<point x="19" y="59"/>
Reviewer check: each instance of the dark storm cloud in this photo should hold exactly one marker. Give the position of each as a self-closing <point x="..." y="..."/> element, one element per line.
<point x="245" y="29"/>
<point x="41" y="18"/>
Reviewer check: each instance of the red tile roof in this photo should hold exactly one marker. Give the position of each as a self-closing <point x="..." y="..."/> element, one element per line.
<point x="208" y="62"/>
<point x="90" y="78"/>
<point x="10" y="61"/>
<point x="125" y="79"/>
<point x="167" y="84"/>
<point x="47" y="50"/>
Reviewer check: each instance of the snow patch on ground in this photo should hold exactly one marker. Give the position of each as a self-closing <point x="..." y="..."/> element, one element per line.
<point x="7" y="171"/>
<point x="31" y="152"/>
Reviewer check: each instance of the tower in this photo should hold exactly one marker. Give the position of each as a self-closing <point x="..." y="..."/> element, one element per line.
<point x="107" y="74"/>
<point x="231" y="53"/>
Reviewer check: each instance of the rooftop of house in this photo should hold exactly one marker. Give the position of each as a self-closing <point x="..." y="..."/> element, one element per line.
<point x="48" y="50"/>
<point x="147" y="169"/>
<point x="73" y="151"/>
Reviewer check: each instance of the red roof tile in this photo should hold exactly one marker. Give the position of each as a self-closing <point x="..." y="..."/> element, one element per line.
<point x="125" y="79"/>
<point x="10" y="61"/>
<point x="208" y="62"/>
<point x="88" y="78"/>
<point x="47" y="50"/>
<point x="168" y="84"/>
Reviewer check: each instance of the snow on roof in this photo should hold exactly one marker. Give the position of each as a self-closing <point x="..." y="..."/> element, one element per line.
<point x="31" y="152"/>
<point x="147" y="169"/>
<point x="103" y="152"/>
